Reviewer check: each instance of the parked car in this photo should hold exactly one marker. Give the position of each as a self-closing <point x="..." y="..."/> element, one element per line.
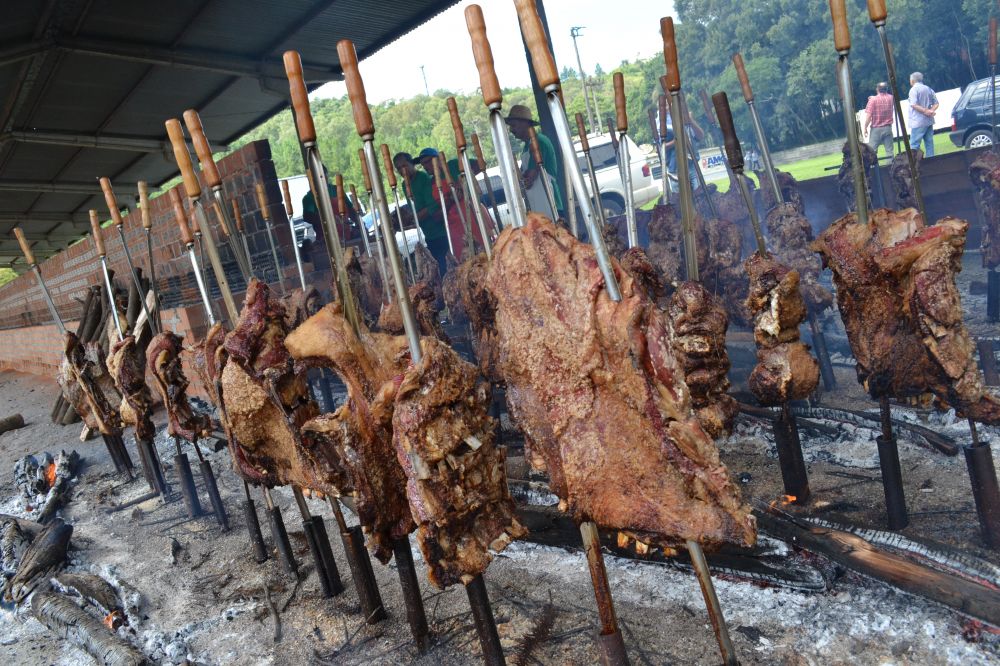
<point x="970" y="119"/>
<point x="304" y="231"/>
<point x="404" y="243"/>
<point x="609" y="182"/>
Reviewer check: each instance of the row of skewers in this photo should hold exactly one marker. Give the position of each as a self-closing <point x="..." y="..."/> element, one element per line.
<point x="413" y="446"/>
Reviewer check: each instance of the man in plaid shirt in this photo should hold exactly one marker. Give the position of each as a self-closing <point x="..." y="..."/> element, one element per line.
<point x="879" y="117"/>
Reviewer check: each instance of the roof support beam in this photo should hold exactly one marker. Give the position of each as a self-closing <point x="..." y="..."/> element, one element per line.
<point x="65" y="187"/>
<point x="210" y="61"/>
<point x="77" y="219"/>
<point x="130" y="144"/>
<point x="22" y="51"/>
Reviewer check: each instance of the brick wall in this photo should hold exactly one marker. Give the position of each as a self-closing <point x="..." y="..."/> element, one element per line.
<point x="29" y="340"/>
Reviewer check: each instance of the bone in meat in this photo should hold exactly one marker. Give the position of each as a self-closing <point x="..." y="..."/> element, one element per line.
<point x="895" y="280"/>
<point x="456" y="475"/>
<point x="88" y="386"/>
<point x="596" y="388"/>
<point x="785" y="370"/>
<point x="126" y="369"/>
<point x="355" y="441"/>
<point x="164" y="360"/>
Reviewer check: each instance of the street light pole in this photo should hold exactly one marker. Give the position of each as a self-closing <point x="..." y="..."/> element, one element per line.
<point x="575" y="32"/>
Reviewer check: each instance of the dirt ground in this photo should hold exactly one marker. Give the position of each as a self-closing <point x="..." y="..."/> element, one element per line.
<point x="204" y="600"/>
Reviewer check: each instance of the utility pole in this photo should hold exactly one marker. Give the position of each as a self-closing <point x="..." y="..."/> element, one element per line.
<point x="575" y="32"/>
<point x="427" y="90"/>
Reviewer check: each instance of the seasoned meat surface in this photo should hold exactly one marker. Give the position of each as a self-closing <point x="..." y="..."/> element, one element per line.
<point x="164" y="360"/>
<point x="895" y="280"/>
<point x="789" y="237"/>
<point x="424" y="303"/>
<point x="985" y="173"/>
<point x="600" y="396"/>
<point x="88" y="386"/>
<point x="126" y="369"/>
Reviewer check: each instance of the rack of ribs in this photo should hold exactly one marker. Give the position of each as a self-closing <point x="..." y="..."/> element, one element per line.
<point x="985" y="173"/>
<point x="126" y="369"/>
<point x="354" y="443"/>
<point x="785" y="369"/>
<point x="601" y="398"/>
<point x="163" y="357"/>
<point x="895" y="280"/>
<point x="456" y="475"/>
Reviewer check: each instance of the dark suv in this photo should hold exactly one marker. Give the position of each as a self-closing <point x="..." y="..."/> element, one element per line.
<point x="970" y="119"/>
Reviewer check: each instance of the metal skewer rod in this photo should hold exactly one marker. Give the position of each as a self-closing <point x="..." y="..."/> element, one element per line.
<point x="29" y="256"/>
<point x="147" y="225"/>
<point x="702" y="185"/>
<point x="470" y="179"/>
<point x="265" y="211"/>
<point x="116" y="217"/>
<point x="842" y="43"/>
<point x="548" y="79"/>
<point x="985" y="490"/>
<point x="993" y="82"/>
<point x="366" y="130"/>
<point x="663" y="111"/>
<point x="326" y="567"/>
<point x="240" y="231"/>
<point x="342" y="199"/>
<point x="673" y="82"/>
<point x="487" y="185"/>
<point x="188" y="240"/>
<point x="95" y="228"/>
<point x="390" y="173"/>
<point x="758" y="128"/>
<point x="192" y="189"/>
<point x="449" y="183"/>
<point x="438" y="179"/>
<point x="188" y="490"/>
<point x="493" y="98"/>
<point x="595" y="188"/>
<point x="877" y="13"/>
<point x="543" y="175"/>
<point x="892" y="475"/>
<point x="624" y="160"/>
<point x="214" y="180"/>
<point x="408" y="198"/>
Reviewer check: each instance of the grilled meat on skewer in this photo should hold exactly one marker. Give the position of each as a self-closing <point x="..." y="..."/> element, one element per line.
<point x="126" y="369"/>
<point x="895" y="280"/>
<point x="480" y="308"/>
<point x="789" y="191"/>
<point x="423" y="300"/>
<point x="785" y="370"/>
<point x="596" y="388"/>
<point x="299" y="305"/>
<point x="427" y="270"/>
<point x="456" y="476"/>
<point x="354" y="444"/>
<point x="164" y="361"/>
<point x="790" y="234"/>
<point x="366" y="284"/>
<point x="451" y="291"/>
<point x="845" y="176"/>
<point x="902" y="180"/>
<point x="87" y="385"/>
<point x="985" y="173"/>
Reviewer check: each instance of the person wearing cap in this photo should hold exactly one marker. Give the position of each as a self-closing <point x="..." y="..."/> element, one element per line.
<point x="519" y="120"/>
<point x="878" y="116"/>
<point x="455" y="227"/>
<point x="427" y="208"/>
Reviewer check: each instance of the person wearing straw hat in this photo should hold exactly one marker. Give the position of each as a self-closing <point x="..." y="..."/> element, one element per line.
<point x="425" y="204"/>
<point x="519" y="120"/>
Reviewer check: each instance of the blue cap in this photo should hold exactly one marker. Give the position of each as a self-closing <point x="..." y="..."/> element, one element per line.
<point x="426" y="152"/>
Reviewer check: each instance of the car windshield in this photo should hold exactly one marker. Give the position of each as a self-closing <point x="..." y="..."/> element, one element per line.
<point x="603" y="157"/>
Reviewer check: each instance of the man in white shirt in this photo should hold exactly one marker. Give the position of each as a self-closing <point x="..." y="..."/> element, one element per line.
<point x="923" y="105"/>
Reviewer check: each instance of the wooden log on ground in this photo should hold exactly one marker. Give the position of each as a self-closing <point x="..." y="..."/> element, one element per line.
<point x="12" y="422"/>
<point x="66" y="619"/>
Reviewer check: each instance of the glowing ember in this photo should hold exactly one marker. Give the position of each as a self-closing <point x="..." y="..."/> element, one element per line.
<point x="50" y="474"/>
<point x="114" y="619"/>
<point x="784" y="500"/>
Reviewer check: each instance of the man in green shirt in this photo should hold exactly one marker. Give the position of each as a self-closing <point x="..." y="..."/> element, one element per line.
<point x="519" y="120"/>
<point x="424" y="203"/>
<point x="310" y="213"/>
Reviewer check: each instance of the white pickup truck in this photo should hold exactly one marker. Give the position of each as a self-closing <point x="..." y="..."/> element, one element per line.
<point x="609" y="181"/>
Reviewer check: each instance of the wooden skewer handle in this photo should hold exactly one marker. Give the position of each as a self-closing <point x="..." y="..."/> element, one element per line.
<point x="581" y="129"/>
<point x="993" y="40"/>
<point x="95" y="231"/>
<point x="112" y="201"/>
<point x="262" y="202"/>
<point x="341" y="195"/>
<point x="670" y="54"/>
<point x="621" y="115"/>
<point x="483" y="54"/>
<point x="176" y="134"/>
<point x="408" y="187"/>
<point x="456" y="124"/>
<point x="354" y="193"/>
<point x="390" y="169"/>
<point x="537" y="42"/>
<point x="876" y="10"/>
<point x="707" y="107"/>
<point x="438" y="178"/>
<point x="364" y="170"/>
<point x="444" y="168"/>
<point x="181" y="217"/>
<point x="661" y="107"/>
<point x="237" y="215"/>
<point x="355" y="88"/>
<point x="147" y="219"/>
<point x="536" y="150"/>
<point x="300" y="97"/>
<point x="286" y="195"/>
<point x="741" y="74"/>
<point x="478" y="149"/>
<point x="734" y="152"/>
<point x="217" y="209"/>
<point x="841" y="32"/>
<point x="29" y="256"/>
<point x="202" y="148"/>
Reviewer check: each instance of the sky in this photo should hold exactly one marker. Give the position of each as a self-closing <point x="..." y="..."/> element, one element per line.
<point x="442" y="46"/>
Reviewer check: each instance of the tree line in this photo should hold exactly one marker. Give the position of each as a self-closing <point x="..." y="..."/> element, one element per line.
<point x="787" y="46"/>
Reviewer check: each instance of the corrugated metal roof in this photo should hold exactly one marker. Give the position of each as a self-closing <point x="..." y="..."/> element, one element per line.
<point x="74" y="70"/>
